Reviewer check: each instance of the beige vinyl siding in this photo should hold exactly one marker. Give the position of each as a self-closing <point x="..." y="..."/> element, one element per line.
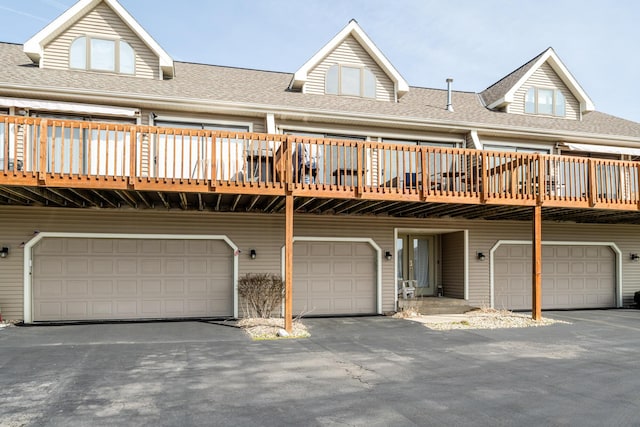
<point x="350" y="52"/>
<point x="453" y="264"/>
<point x="546" y="77"/>
<point x="265" y="234"/>
<point x="101" y="21"/>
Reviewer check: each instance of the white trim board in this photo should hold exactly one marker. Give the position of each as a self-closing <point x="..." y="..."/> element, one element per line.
<point x="352" y="29"/>
<point x="371" y="242"/>
<point x="28" y="258"/>
<point x="611" y="245"/>
<point x="34" y="47"/>
<point x="68" y="107"/>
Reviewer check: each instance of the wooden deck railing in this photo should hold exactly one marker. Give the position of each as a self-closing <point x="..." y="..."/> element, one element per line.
<point x="63" y="153"/>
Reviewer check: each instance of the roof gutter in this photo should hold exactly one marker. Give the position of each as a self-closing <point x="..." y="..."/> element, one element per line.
<point x="146" y="101"/>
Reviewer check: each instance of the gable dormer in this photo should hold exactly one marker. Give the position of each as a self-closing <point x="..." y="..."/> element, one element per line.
<point x="99" y="36"/>
<point x="350" y="65"/>
<point x="543" y="87"/>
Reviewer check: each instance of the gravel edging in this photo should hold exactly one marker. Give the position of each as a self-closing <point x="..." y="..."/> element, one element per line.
<point x="270" y="329"/>
<point x="481" y="319"/>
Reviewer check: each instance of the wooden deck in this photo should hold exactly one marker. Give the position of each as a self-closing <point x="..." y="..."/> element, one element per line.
<point x="74" y="163"/>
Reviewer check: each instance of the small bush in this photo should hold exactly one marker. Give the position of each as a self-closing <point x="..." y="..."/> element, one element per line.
<point x="261" y="292"/>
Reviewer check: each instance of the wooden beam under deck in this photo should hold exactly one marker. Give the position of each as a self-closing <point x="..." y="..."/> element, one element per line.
<point x="288" y="264"/>
<point x="536" y="258"/>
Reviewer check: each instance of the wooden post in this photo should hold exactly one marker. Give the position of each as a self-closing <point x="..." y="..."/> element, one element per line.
<point x="592" y="182"/>
<point x="485" y="178"/>
<point x="288" y="264"/>
<point x="42" y="169"/>
<point x="536" y="255"/>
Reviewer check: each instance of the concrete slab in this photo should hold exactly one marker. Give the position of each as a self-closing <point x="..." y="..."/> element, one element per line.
<point x="352" y="371"/>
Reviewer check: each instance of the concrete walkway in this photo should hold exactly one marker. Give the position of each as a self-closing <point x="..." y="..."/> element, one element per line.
<point x="374" y="371"/>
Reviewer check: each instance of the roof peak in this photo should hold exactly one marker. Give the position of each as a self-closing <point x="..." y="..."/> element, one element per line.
<point x="34" y="47"/>
<point x="351" y="29"/>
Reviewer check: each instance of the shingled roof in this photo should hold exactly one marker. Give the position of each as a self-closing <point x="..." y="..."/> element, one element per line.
<point x="500" y="88"/>
<point x="245" y="90"/>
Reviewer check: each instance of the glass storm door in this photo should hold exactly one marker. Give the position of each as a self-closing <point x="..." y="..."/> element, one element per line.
<point x="415" y="257"/>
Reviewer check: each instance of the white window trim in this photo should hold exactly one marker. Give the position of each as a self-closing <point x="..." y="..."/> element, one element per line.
<point x="612" y="245"/>
<point x="362" y="69"/>
<point x="116" y="60"/>
<point x="371" y="242"/>
<point x="555" y="91"/>
<point x="28" y="258"/>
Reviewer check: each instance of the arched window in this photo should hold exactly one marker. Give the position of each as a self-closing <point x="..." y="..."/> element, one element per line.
<point x="548" y="102"/>
<point x="78" y="53"/>
<point x="97" y="54"/>
<point x="350" y="80"/>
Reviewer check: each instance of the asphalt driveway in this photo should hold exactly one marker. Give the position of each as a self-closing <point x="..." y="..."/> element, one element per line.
<point x="352" y="371"/>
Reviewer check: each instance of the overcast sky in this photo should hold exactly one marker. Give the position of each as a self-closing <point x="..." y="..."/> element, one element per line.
<point x="476" y="42"/>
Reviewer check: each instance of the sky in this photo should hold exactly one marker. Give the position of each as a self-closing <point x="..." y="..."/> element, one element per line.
<point x="475" y="42"/>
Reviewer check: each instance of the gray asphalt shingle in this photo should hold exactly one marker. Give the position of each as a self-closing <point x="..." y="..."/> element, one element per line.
<point x="217" y="84"/>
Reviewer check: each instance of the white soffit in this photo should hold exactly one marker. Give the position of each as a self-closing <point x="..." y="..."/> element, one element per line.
<point x="34" y="47"/>
<point x="68" y="107"/>
<point x="609" y="149"/>
<point x="550" y="56"/>
<point x="352" y="29"/>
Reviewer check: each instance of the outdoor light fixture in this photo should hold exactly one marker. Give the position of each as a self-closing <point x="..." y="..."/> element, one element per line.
<point x="253" y="254"/>
<point x="634" y="257"/>
<point x="387" y="255"/>
<point x="4" y="252"/>
<point x="480" y="256"/>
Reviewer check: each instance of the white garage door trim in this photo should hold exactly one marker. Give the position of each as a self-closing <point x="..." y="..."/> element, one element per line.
<point x="373" y="244"/>
<point x="28" y="258"/>
<point x="611" y="245"/>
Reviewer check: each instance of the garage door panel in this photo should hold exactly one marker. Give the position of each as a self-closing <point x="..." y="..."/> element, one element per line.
<point x="127" y="287"/>
<point x="126" y="309"/>
<point x="126" y="266"/>
<point x="80" y="246"/>
<point x="343" y="286"/>
<point x="174" y="307"/>
<point x="126" y="246"/>
<point x="102" y="308"/>
<point x="98" y="246"/>
<point x="334" y="278"/>
<point x="103" y="284"/>
<point x="99" y="288"/>
<point x="572" y="277"/>
<point x="343" y="250"/>
<point x="174" y="286"/>
<point x="318" y="267"/>
<point x="342" y="267"/>
<point x="77" y="309"/>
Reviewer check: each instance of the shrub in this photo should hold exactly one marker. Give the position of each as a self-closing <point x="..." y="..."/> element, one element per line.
<point x="261" y="292"/>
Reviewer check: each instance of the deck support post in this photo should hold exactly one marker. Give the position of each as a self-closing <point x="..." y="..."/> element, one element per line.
<point x="288" y="263"/>
<point x="536" y="255"/>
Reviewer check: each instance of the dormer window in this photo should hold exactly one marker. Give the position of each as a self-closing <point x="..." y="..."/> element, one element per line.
<point x="549" y="102"/>
<point x="350" y="81"/>
<point x="97" y="54"/>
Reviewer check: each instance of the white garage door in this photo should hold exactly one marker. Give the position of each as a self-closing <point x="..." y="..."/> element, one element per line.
<point x="572" y="277"/>
<point x="334" y="278"/>
<point x="90" y="279"/>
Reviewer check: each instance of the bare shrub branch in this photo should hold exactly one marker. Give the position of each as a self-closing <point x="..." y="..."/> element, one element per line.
<point x="262" y="292"/>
